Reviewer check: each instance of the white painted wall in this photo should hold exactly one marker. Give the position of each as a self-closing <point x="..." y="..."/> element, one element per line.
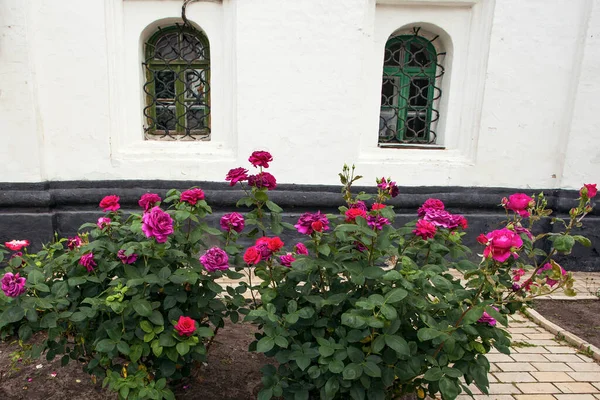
<point x="302" y="79"/>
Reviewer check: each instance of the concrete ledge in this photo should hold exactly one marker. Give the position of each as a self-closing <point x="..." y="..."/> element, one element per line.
<point x="567" y="336"/>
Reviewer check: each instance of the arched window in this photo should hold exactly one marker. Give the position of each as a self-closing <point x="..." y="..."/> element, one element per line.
<point x="177" y="84"/>
<point x="410" y="90"/>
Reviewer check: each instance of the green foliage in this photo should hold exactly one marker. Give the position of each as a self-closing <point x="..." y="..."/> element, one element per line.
<point x="119" y="318"/>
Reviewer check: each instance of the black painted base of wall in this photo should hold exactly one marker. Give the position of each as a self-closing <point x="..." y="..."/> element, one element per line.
<point x="34" y="211"/>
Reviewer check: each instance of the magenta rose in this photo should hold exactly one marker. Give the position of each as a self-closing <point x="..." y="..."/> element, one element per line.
<point x="487" y="318"/>
<point x="519" y="203"/>
<point x="74" y="242"/>
<point x="192" y="196"/>
<point x="87" y="260"/>
<point x="376" y="222"/>
<point x="232" y="222"/>
<point x="260" y="159"/>
<point x="186" y="326"/>
<point x="301" y="249"/>
<point x="13" y="285"/>
<point x="443" y="218"/>
<point x="502" y="244"/>
<point x="215" y="259"/>
<point x="236" y="175"/>
<point x="306" y="221"/>
<point x="157" y="224"/>
<point x="110" y="203"/>
<point x="263" y="179"/>
<point x="548" y="267"/>
<point x="149" y="200"/>
<point x="287" y="259"/>
<point x="126" y="259"/>
<point x="103" y="222"/>
<point x="425" y="229"/>
<point x="588" y="190"/>
<point x="389" y="187"/>
<point x="360" y="205"/>
<point x="430" y="204"/>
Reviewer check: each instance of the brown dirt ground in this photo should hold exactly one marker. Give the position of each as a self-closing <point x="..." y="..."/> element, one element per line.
<point x="580" y="317"/>
<point x="232" y="372"/>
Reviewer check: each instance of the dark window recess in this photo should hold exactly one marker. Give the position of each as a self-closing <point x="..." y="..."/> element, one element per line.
<point x="177" y="87"/>
<point x="409" y="91"/>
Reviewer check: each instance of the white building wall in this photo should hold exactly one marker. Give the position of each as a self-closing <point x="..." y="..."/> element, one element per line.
<point x="302" y="80"/>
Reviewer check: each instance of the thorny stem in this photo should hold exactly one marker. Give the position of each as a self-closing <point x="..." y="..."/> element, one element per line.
<point x="250" y="284"/>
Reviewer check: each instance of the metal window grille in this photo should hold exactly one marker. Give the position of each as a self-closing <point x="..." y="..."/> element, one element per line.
<point x="410" y="90"/>
<point x="177" y="87"/>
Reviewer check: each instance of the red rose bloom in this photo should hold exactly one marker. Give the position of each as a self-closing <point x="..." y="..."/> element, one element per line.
<point x="377" y="206"/>
<point x="252" y="256"/>
<point x="110" y="203"/>
<point x="275" y="244"/>
<point x="260" y="159"/>
<point x="482" y="239"/>
<point x="16" y="245"/>
<point x="236" y="175"/>
<point x="192" y="196"/>
<point x="264" y="179"/>
<point x="352" y="213"/>
<point x="317" y="226"/>
<point x="425" y="229"/>
<point x="185" y="326"/>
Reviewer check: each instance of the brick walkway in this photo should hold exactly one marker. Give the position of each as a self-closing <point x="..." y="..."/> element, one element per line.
<point x="541" y="367"/>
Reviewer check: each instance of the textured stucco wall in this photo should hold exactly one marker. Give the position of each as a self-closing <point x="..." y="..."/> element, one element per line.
<point x="301" y="79"/>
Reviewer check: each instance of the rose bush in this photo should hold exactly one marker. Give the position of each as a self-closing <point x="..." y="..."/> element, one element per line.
<point x="358" y="308"/>
<point x="133" y="297"/>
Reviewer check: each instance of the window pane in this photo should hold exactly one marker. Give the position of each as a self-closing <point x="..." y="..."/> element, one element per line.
<point x="388" y="124"/>
<point x="196" y="85"/>
<point x="165" y="84"/>
<point x="195" y="118"/>
<point x="416" y="127"/>
<point x="166" y="47"/>
<point x="165" y="117"/>
<point x="394" y="54"/>
<point x="192" y="49"/>
<point x="419" y="89"/>
<point x="418" y="55"/>
<point x="389" y="92"/>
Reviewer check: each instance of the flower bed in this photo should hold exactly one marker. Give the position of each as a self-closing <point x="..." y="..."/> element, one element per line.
<point x="359" y="308"/>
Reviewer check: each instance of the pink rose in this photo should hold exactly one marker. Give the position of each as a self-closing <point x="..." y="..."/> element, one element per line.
<point x="13" y="285"/>
<point x="520" y="203"/>
<point x="215" y="259"/>
<point x="148" y="200"/>
<point x="301" y="249"/>
<point x="263" y="179"/>
<point x="263" y="246"/>
<point x="376" y="222"/>
<point x="185" y="326"/>
<point x="252" y="256"/>
<point x="232" y="222"/>
<point x="588" y="190"/>
<point x="502" y="244"/>
<point x="74" y="242"/>
<point x="103" y="222"/>
<point x="425" y="229"/>
<point x="158" y="224"/>
<point x="16" y="245"/>
<point x="260" y="159"/>
<point x="548" y="267"/>
<point x="444" y="219"/>
<point x="110" y="203"/>
<point x="192" y="196"/>
<point x="126" y="259"/>
<point x="236" y="175"/>
<point x="430" y="204"/>
<point x="306" y="220"/>
<point x="359" y="204"/>
<point x="287" y="260"/>
<point x="487" y="319"/>
<point x="388" y="187"/>
<point x="87" y="260"/>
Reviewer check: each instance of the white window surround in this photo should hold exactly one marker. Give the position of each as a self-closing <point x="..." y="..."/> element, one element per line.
<point x="129" y="24"/>
<point x="464" y="28"/>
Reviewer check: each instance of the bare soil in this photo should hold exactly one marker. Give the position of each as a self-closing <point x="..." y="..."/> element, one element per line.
<point x="232" y="372"/>
<point x="580" y="317"/>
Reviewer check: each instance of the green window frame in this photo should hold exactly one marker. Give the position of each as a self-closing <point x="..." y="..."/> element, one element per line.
<point x="409" y="91"/>
<point x="177" y="87"/>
